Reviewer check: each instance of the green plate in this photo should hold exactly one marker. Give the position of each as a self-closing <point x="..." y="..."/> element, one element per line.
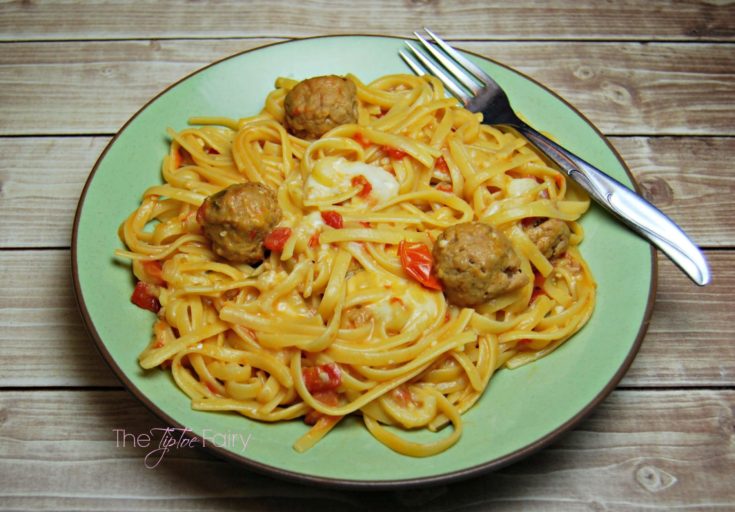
<point x="522" y="411"/>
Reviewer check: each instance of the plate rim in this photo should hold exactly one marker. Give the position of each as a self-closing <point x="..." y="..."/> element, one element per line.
<point x="354" y="484"/>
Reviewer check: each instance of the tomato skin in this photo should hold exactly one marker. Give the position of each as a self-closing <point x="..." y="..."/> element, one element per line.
<point x="276" y="239"/>
<point x="330" y="398"/>
<point x="362" y="181"/>
<point x="325" y="377"/>
<point x="523" y="342"/>
<point x="395" y="153"/>
<point x="417" y="262"/>
<point x="333" y="219"/>
<point x="314" y="240"/>
<point x="144" y="297"/>
<point x="441" y="165"/>
<point x="361" y="140"/>
<point x="154" y="269"/>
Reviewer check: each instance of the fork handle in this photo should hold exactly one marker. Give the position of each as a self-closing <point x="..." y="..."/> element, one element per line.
<point x="640" y="215"/>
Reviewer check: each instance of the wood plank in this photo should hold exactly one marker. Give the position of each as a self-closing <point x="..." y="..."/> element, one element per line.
<point x="41" y="179"/>
<point x="690" y="339"/>
<point x="44" y="340"/>
<point x="560" y="19"/>
<point x="639" y="449"/>
<point x="93" y="87"/>
<point x="689" y="342"/>
<point x="689" y="180"/>
<point x="624" y="88"/>
<point x="663" y="89"/>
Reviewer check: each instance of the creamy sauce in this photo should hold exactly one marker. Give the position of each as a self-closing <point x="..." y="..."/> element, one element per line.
<point x="333" y="176"/>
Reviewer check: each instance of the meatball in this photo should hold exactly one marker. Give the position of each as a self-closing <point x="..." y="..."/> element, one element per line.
<point x="476" y="263"/>
<point x="316" y="105"/>
<point x="551" y="236"/>
<point x="237" y="219"/>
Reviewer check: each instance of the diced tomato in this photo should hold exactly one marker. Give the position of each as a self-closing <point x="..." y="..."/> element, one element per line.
<point x="176" y="159"/>
<point x="154" y="269"/>
<point x="144" y="296"/>
<point x="524" y="345"/>
<point x="365" y="224"/>
<point x="441" y="165"/>
<point x="276" y="239"/>
<point x="417" y="262"/>
<point x="538" y="279"/>
<point x="181" y="158"/>
<point x="394" y="153"/>
<point x="314" y="240"/>
<point x="325" y="377"/>
<point x="444" y="187"/>
<point x="362" y="181"/>
<point x="330" y="398"/>
<point x="333" y="219"/>
<point x="361" y="140"/>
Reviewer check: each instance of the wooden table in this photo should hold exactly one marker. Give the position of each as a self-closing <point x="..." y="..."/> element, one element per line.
<point x="657" y="77"/>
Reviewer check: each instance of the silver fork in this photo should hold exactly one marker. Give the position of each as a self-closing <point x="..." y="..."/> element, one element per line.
<point x="480" y="93"/>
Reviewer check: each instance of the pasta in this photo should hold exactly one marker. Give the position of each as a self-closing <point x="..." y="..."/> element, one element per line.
<point x="335" y="321"/>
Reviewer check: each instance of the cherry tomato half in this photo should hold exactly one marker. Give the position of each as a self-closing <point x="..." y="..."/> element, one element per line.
<point x="417" y="262"/>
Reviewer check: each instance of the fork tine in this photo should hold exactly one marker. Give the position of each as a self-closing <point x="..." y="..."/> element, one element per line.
<point x="460" y="74"/>
<point x="438" y="72"/>
<point x="415" y="66"/>
<point x="468" y="64"/>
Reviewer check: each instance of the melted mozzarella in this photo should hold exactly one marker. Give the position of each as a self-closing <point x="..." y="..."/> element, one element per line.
<point x="333" y="176"/>
<point x="521" y="186"/>
<point x="416" y="307"/>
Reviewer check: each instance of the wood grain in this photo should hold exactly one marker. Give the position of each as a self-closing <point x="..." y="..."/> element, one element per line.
<point x="689" y="343"/>
<point x="624" y="88"/>
<point x="689" y="179"/>
<point x="655" y="76"/>
<point x="471" y="19"/>
<point x="44" y="341"/>
<point x="41" y="179"/>
<point x="638" y="449"/>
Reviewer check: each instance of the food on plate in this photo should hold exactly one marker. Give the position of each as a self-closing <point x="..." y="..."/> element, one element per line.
<point x="366" y="250"/>
<point x="551" y="236"/>
<point x="316" y="105"/>
<point x="237" y="220"/>
<point x="476" y="262"/>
